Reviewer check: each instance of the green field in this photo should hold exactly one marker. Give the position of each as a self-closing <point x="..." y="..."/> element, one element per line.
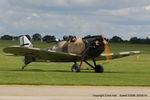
<point x="126" y="71"/>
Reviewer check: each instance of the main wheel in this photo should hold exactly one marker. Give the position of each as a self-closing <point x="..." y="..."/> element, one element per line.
<point x="75" y="68"/>
<point x="99" y="69"/>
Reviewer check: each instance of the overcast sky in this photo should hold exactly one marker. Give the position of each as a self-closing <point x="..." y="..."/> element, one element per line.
<point x="124" y="18"/>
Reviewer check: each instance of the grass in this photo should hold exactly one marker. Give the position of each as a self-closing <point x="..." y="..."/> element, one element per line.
<point x="118" y="72"/>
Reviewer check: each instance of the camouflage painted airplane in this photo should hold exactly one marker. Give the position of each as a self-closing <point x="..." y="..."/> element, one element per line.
<point x="73" y="50"/>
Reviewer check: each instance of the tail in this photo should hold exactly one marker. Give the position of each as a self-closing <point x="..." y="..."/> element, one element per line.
<point x="24" y="42"/>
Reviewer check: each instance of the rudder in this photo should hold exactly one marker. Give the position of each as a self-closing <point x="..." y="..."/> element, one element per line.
<point x="24" y="42"/>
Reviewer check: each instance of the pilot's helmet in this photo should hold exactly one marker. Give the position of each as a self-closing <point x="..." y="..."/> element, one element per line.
<point x="65" y="38"/>
<point x="73" y="39"/>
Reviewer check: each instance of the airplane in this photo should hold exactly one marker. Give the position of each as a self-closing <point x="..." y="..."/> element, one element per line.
<point x="73" y="50"/>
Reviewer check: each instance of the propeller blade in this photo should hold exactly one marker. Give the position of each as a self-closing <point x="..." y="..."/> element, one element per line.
<point x="107" y="51"/>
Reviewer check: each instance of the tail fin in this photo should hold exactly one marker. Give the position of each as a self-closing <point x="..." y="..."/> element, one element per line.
<point x="24" y="42"/>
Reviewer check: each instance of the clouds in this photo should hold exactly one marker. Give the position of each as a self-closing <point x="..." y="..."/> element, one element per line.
<point x="92" y="4"/>
<point x="117" y="17"/>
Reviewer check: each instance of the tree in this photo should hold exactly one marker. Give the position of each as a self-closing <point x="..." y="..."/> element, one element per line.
<point x="116" y="39"/>
<point x="16" y="38"/>
<point x="49" y="38"/>
<point x="6" y="37"/>
<point x="140" y="40"/>
<point x="134" y="40"/>
<point x="36" y="37"/>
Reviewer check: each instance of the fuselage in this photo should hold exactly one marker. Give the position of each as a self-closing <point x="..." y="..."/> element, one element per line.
<point x="89" y="47"/>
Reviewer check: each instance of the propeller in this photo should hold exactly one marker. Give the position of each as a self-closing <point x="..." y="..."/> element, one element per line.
<point x="107" y="51"/>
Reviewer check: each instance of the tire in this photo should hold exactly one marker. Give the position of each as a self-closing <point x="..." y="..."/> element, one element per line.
<point x="75" y="68"/>
<point x="99" y="69"/>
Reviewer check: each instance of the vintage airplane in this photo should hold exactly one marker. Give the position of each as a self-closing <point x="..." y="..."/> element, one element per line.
<point x="82" y="49"/>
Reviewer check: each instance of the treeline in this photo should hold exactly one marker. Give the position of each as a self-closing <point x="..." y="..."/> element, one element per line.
<point x="34" y="37"/>
<point x="51" y="38"/>
<point x="37" y="37"/>
<point x="117" y="39"/>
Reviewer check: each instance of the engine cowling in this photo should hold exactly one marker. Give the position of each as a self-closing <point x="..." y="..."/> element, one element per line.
<point x="94" y="46"/>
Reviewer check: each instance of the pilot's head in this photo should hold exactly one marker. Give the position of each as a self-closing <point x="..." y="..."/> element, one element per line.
<point x="65" y="38"/>
<point x="73" y="39"/>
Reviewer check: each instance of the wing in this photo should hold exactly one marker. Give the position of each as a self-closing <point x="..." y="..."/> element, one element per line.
<point x="118" y="54"/>
<point x="42" y="54"/>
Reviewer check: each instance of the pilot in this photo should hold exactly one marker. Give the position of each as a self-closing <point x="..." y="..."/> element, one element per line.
<point x="65" y="38"/>
<point x="73" y="39"/>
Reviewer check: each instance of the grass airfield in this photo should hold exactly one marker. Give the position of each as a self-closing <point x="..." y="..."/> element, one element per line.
<point x="125" y="71"/>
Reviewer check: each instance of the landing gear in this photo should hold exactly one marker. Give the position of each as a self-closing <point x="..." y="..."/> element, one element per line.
<point x="75" y="68"/>
<point x="98" y="68"/>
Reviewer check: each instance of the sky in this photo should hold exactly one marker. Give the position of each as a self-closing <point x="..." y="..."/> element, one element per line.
<point x="124" y="18"/>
